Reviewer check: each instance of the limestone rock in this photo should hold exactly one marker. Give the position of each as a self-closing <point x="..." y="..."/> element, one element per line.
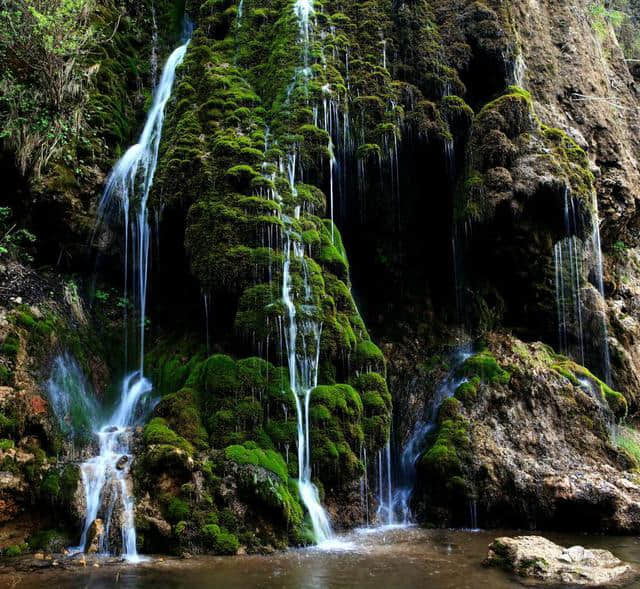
<point x="544" y="562"/>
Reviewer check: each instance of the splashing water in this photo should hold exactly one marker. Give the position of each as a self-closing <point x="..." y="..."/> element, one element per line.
<point x="106" y="477"/>
<point x="71" y="398"/>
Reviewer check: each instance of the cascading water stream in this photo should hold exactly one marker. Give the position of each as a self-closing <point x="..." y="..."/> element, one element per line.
<point x="106" y="477"/>
<point x="393" y="503"/>
<point x="304" y="331"/>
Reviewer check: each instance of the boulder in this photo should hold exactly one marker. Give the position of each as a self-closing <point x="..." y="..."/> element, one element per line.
<point x="96" y="531"/>
<point x="546" y="563"/>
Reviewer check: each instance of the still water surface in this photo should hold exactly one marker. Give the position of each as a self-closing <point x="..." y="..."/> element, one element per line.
<point x="384" y="558"/>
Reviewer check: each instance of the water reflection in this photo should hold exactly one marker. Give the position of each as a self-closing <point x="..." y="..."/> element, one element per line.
<point x="387" y="558"/>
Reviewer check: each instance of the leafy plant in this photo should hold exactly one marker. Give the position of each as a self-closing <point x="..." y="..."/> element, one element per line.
<point x="13" y="240"/>
<point x="42" y="43"/>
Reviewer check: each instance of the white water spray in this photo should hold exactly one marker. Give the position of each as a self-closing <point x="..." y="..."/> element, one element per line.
<point x="106" y="479"/>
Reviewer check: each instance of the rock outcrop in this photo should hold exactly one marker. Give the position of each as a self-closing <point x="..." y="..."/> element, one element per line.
<point x="543" y="562"/>
<point x="528" y="439"/>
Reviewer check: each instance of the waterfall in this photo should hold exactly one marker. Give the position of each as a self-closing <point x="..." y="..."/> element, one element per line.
<point x="106" y="477"/>
<point x="568" y="266"/>
<point x="302" y="329"/>
<point x="393" y="506"/>
<point x="128" y="187"/>
<point x="385" y="511"/>
<point x="597" y="251"/>
<point x="302" y="337"/>
<point x="568" y="285"/>
<point x="364" y="483"/>
<point x="569" y="257"/>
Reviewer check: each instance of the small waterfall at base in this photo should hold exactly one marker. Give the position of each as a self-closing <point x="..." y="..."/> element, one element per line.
<point x="394" y="499"/>
<point x="106" y="477"/>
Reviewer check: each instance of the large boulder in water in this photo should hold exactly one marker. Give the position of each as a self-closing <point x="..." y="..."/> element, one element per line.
<point x="544" y="562"/>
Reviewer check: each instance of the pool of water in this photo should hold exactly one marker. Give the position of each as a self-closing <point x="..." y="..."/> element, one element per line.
<point x="383" y="558"/>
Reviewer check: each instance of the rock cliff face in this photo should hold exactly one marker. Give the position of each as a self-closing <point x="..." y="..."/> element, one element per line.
<point x="418" y="174"/>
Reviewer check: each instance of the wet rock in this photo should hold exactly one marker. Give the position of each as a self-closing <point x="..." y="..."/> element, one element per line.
<point x="95" y="533"/>
<point x="544" y="562"/>
<point x="122" y="462"/>
<point x="538" y="447"/>
<point x="149" y="518"/>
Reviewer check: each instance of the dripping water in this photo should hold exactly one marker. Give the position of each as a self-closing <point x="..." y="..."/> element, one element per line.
<point x="597" y="252"/>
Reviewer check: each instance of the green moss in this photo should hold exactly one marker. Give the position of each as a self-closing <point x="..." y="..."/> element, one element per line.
<point x="220" y="375"/>
<point x="369" y="356"/>
<point x="178" y="510"/>
<point x="14" y="550"/>
<point x="51" y="541"/>
<point x="249" y="453"/>
<point x="51" y="486"/>
<point x="182" y="413"/>
<point x="6" y="376"/>
<point x="485" y="367"/>
<point x="468" y="391"/>
<point x="10" y="346"/>
<point x="573" y="372"/>
<point x="220" y="540"/>
<point x="628" y="439"/>
<point x="369" y="151"/>
<point x="449" y="409"/>
<point x="572" y="160"/>
<point x="180" y="528"/>
<point x="6" y="444"/>
<point x="158" y="432"/>
<point x="443" y="458"/>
